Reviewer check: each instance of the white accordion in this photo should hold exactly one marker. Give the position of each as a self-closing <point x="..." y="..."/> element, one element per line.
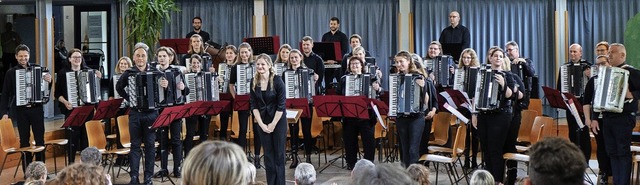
<point x="244" y="75"/>
<point x="83" y="87"/>
<point x="611" y="87"/>
<point x="280" y="68"/>
<point x="225" y="72"/>
<point x="405" y="95"/>
<point x="465" y="80"/>
<point x="116" y="95"/>
<point x="31" y="87"/>
<point x="203" y="86"/>
<point x="359" y="85"/>
<point x="299" y="84"/>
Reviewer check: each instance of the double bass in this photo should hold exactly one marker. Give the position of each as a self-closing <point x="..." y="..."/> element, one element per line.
<point x="217" y="53"/>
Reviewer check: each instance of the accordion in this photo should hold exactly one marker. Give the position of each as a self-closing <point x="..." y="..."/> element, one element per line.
<point x="359" y="85"/>
<point x="31" y="87"/>
<point x="518" y="69"/>
<point x="464" y="80"/>
<point x="244" y="75"/>
<point x="145" y="91"/>
<point x="572" y="79"/>
<point x="299" y="84"/>
<point x="225" y="72"/>
<point x="280" y="68"/>
<point x="116" y="95"/>
<point x="83" y="87"/>
<point x="611" y="87"/>
<point x="172" y="96"/>
<point x="405" y="95"/>
<point x="203" y="87"/>
<point x="440" y="69"/>
<point x="487" y="96"/>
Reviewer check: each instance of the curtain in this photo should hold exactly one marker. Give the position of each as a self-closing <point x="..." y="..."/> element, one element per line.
<point x="592" y="21"/>
<point x="225" y="20"/>
<point x="374" y="20"/>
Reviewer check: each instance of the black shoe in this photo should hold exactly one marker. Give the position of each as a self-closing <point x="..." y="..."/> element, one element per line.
<point x="148" y="182"/>
<point x="294" y="162"/>
<point x="134" y="180"/>
<point x="176" y="174"/>
<point x="160" y="174"/>
<point x="309" y="159"/>
<point x="256" y="162"/>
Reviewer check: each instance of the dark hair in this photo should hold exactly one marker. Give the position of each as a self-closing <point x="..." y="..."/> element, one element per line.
<point x="353" y="59"/>
<point x="196" y="17"/>
<point x="335" y="19"/>
<point x="555" y="160"/>
<point x="355" y="36"/>
<point x="22" y="47"/>
<point x="307" y="38"/>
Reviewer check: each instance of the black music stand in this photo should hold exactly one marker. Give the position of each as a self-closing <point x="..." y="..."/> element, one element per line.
<point x="107" y="109"/>
<point x="268" y="45"/>
<point x="342" y="107"/>
<point x="241" y="103"/>
<point x="327" y="50"/>
<point x="555" y="99"/>
<point x="181" y="46"/>
<point x="168" y="115"/>
<point x="77" y="118"/>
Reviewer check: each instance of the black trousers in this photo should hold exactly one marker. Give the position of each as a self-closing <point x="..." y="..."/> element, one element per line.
<point x="617" y="131"/>
<point x="224" y="124"/>
<point x="329" y="75"/>
<point x="604" y="162"/>
<point x="294" y="129"/>
<point x="579" y="136"/>
<point x="175" y="128"/>
<point x="426" y="135"/>
<point x="410" y="134"/>
<point x="510" y="147"/>
<point x="351" y="129"/>
<point x="77" y="137"/>
<point x="140" y="131"/>
<point x="192" y="123"/>
<point x="31" y="119"/>
<point x="274" y="149"/>
<point x="493" y="129"/>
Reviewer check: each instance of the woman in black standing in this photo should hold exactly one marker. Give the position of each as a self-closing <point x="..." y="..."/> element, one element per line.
<point x="268" y="108"/>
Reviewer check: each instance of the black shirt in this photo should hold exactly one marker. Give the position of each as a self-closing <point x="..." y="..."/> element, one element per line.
<point x="523" y="103"/>
<point x="269" y="101"/>
<point x="203" y="34"/>
<point x="8" y="98"/>
<point x="338" y="37"/>
<point x="124" y="80"/>
<point x="458" y="35"/>
<point x="316" y="63"/>
<point x="589" y="93"/>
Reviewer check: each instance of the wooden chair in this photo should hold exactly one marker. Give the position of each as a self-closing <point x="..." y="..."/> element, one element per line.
<point x="123" y="129"/>
<point x="96" y="137"/>
<point x="56" y="144"/>
<point x="317" y="129"/>
<point x="526" y="124"/>
<point x="380" y="135"/>
<point x="449" y="156"/>
<point x="11" y="144"/>
<point x="441" y="123"/>
<point x="536" y="131"/>
<point x="536" y="105"/>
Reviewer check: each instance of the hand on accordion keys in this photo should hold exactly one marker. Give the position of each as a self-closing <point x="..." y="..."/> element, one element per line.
<point x="499" y="79"/>
<point x="180" y="86"/>
<point x="315" y="77"/>
<point x="47" y="77"/>
<point x="164" y="83"/>
<point x="420" y="82"/>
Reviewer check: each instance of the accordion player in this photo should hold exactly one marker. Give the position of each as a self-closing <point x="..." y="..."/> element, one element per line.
<point x="143" y="89"/>
<point x="572" y="79"/>
<point x="465" y="80"/>
<point x="203" y="87"/>
<point x="611" y="87"/>
<point x="406" y="97"/>
<point x="31" y="88"/>
<point x="299" y="83"/>
<point x="171" y="95"/>
<point x="241" y="75"/>
<point x="439" y="68"/>
<point x="224" y="74"/>
<point x="83" y="87"/>
<point x="488" y="94"/>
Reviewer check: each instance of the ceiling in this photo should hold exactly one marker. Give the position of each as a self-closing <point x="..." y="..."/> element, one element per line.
<point x="57" y="2"/>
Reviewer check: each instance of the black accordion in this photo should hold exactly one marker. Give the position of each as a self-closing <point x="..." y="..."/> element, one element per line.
<point x="83" y="87"/>
<point x="244" y="74"/>
<point x="224" y="71"/>
<point x="359" y="85"/>
<point x="405" y="95"/>
<point x="172" y="95"/>
<point x="572" y="79"/>
<point x="299" y="84"/>
<point x="488" y="96"/>
<point x="203" y="87"/>
<point x="145" y="91"/>
<point x="465" y="79"/>
<point x="439" y="67"/>
<point x="31" y="87"/>
<point x="518" y="69"/>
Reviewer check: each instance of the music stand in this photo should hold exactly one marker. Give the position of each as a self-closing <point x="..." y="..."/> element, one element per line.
<point x="241" y="103"/>
<point x="268" y="45"/>
<point x="168" y="115"/>
<point x="299" y="103"/>
<point x="227" y="97"/>
<point x="327" y="50"/>
<point x="107" y="109"/>
<point x="217" y="107"/>
<point x="181" y="46"/>
<point x="78" y="116"/>
<point x="343" y="107"/>
<point x="555" y="99"/>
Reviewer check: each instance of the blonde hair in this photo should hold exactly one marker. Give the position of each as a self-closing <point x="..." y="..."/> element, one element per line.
<point x="82" y="173"/>
<point x="191" y="50"/>
<point x="248" y="47"/>
<point x="232" y="48"/>
<point x="358" y="49"/>
<point x="126" y="60"/>
<point x="417" y="60"/>
<point x="419" y="173"/>
<point x="412" y="66"/>
<point x="474" y="58"/>
<point x="301" y="56"/>
<point x="257" y="77"/>
<point x="278" y="57"/>
<point x="215" y="163"/>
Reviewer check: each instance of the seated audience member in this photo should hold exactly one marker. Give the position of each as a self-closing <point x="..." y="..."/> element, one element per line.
<point x="91" y="155"/>
<point x="36" y="171"/>
<point x="215" y="163"/>
<point x="556" y="161"/>
<point x="339" y="180"/>
<point x="82" y="174"/>
<point x="251" y="176"/>
<point x="305" y="174"/>
<point x="482" y="177"/>
<point x="383" y="174"/>
<point x="419" y="173"/>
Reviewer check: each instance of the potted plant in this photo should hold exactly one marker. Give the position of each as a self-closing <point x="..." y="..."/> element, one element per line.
<point x="146" y="18"/>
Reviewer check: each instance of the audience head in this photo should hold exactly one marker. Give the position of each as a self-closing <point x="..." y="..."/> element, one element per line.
<point x="215" y="163"/>
<point x="360" y="166"/>
<point x="251" y="174"/>
<point x="482" y="177"/>
<point x="91" y="155"/>
<point x="419" y="173"/>
<point x="384" y="174"/>
<point x="36" y="171"/>
<point x="555" y="160"/>
<point x="81" y="174"/>
<point x="305" y="174"/>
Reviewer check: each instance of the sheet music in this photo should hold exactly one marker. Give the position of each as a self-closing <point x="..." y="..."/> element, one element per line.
<point x="574" y="112"/>
<point x="375" y="109"/>
<point x="456" y="113"/>
<point x="291" y="114"/>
